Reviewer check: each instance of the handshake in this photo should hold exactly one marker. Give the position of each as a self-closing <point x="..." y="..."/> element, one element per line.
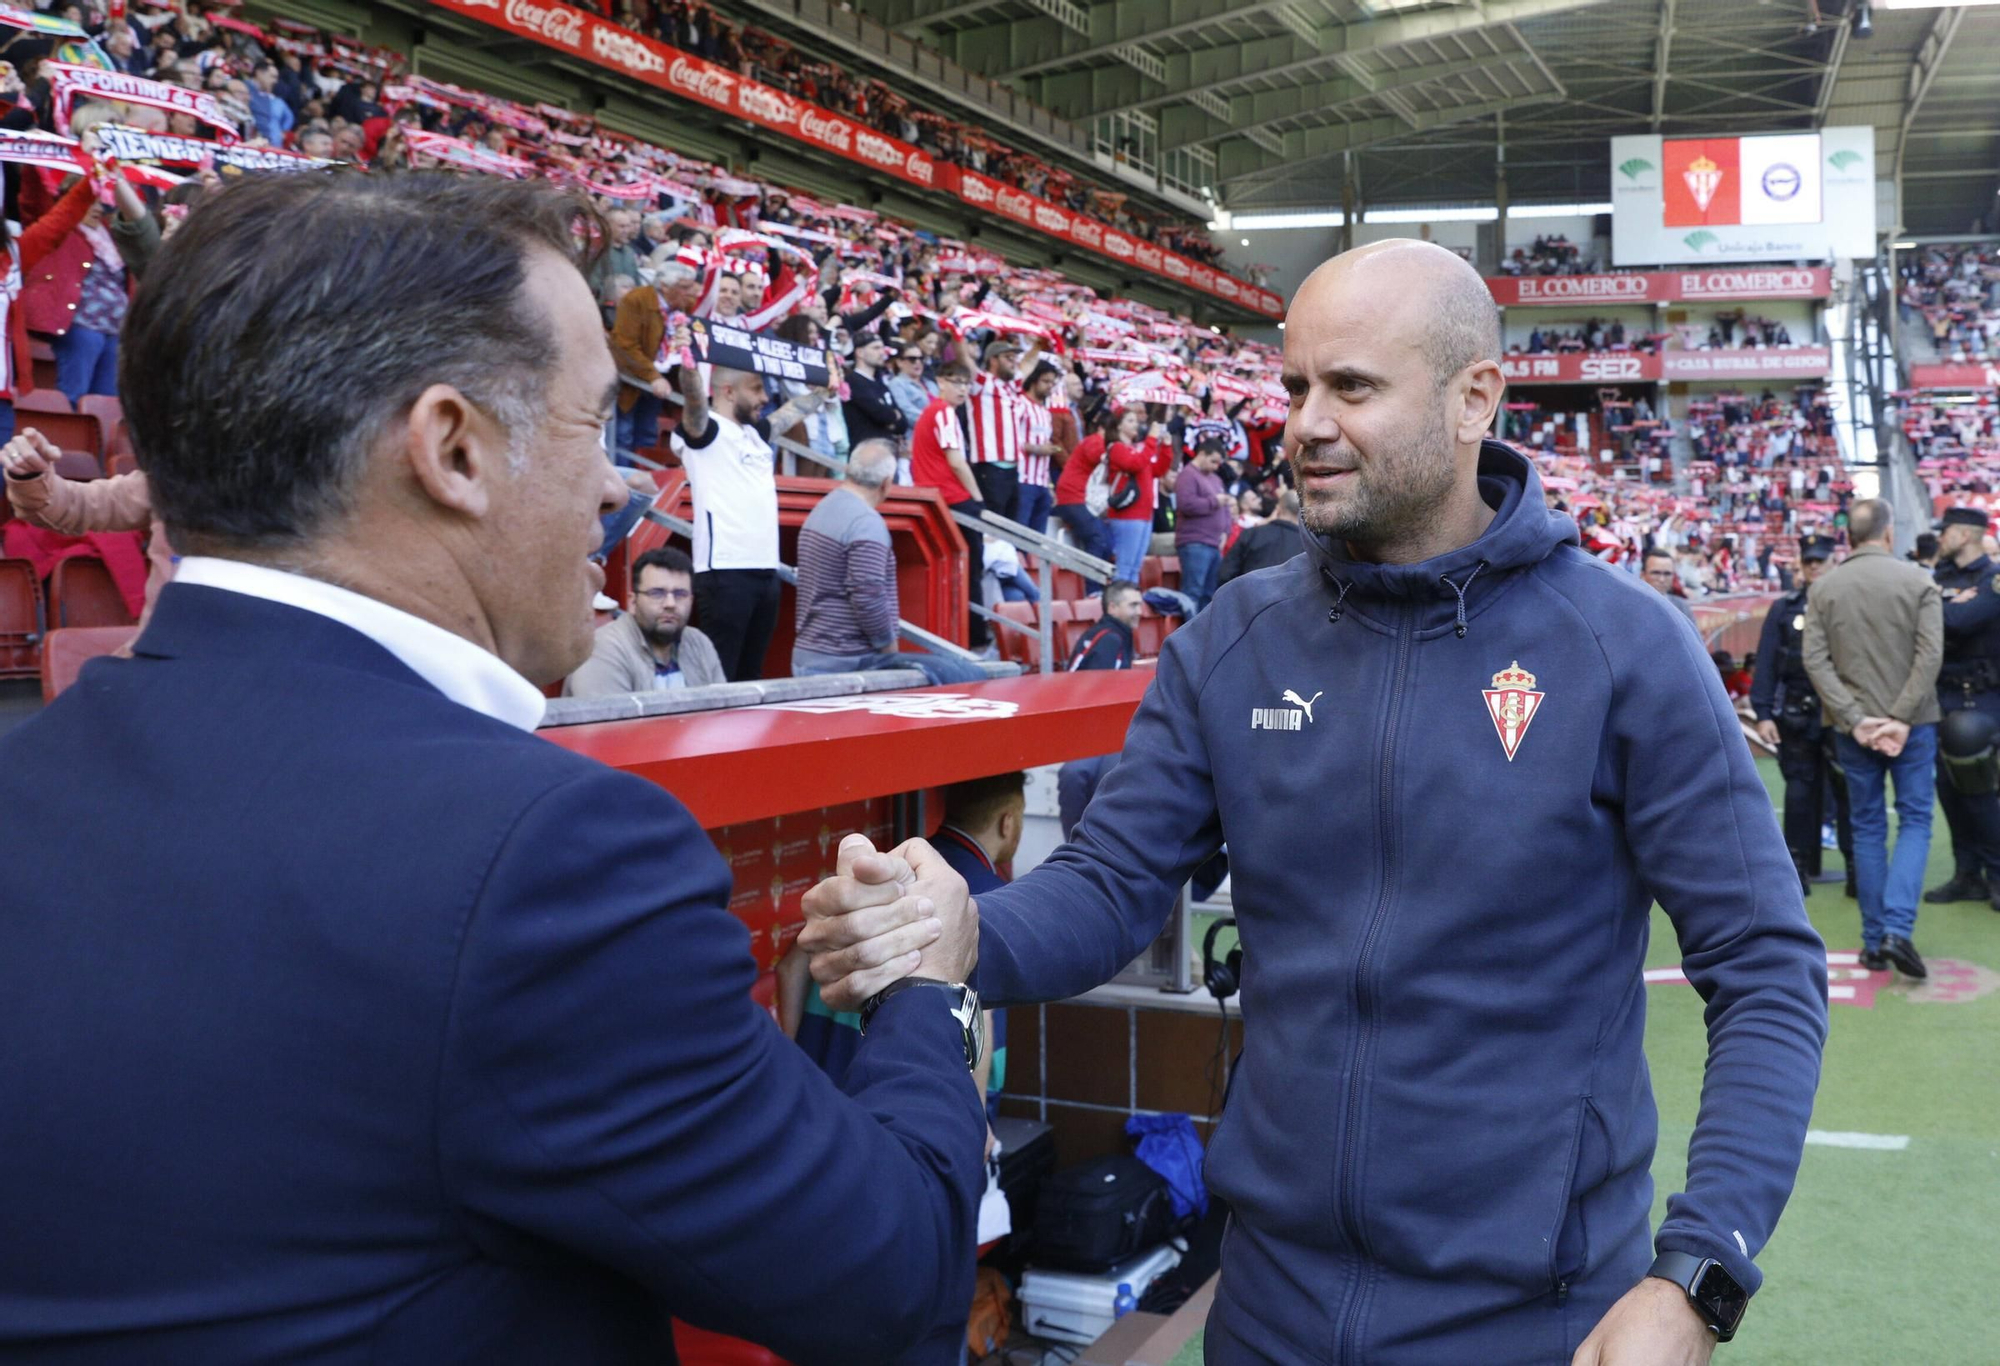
<point x="1882" y="734"/>
<point x="885" y="916"/>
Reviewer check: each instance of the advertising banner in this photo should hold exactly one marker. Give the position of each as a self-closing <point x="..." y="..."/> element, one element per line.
<point x="1714" y="283"/>
<point x="1778" y="197"/>
<point x="1627" y="367"/>
<point x="1955" y="376"/>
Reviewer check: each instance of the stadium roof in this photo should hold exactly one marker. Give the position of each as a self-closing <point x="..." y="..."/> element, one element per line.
<point x="1421" y="94"/>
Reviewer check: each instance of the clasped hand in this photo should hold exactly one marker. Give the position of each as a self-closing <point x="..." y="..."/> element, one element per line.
<point x="885" y="916"/>
<point x="1882" y="734"/>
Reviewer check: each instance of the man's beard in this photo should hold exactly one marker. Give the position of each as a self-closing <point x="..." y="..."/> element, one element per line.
<point x="1391" y="495"/>
<point x="660" y="634"/>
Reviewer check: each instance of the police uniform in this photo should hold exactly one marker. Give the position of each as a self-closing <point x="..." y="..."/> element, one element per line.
<point x="1969" y="681"/>
<point x="1780" y="692"/>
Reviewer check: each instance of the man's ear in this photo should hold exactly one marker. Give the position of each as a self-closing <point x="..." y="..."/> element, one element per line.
<point x="456" y="453"/>
<point x="1485" y="386"/>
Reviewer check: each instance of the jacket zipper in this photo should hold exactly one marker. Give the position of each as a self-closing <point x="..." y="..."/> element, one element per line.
<point x="1364" y="1037"/>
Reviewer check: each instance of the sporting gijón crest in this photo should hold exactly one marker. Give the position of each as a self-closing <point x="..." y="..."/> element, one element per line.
<point x="1512" y="702"/>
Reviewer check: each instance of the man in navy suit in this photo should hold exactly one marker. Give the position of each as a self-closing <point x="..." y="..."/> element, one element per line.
<point x="344" y="1020"/>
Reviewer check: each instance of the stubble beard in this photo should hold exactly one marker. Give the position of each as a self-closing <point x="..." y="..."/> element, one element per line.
<point x="1392" y="496"/>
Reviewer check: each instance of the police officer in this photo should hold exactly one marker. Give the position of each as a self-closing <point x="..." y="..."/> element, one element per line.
<point x="1969" y="683"/>
<point x="1788" y="716"/>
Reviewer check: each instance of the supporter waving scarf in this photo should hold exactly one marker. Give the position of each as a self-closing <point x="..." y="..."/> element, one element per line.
<point x="975" y="320"/>
<point x="793" y="283"/>
<point x="67" y="82"/>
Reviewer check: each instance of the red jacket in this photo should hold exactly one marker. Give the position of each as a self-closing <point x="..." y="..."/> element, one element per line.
<point x="1074" y="484"/>
<point x="54" y="285"/>
<point x="1145" y="462"/>
<point x="37" y="241"/>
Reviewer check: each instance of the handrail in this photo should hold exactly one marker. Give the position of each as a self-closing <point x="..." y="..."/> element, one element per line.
<point x="905" y="630"/>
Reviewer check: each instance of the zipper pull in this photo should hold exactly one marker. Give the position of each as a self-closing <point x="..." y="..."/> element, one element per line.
<point x="1562" y="1293"/>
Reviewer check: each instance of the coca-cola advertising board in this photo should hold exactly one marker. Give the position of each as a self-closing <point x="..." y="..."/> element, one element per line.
<point x="585" y="35"/>
<point x="1663" y="287"/>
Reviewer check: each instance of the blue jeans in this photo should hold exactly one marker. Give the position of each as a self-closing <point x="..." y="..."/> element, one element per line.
<point x="86" y="362"/>
<point x="1887" y="884"/>
<point x="639" y="428"/>
<point x="1086" y="528"/>
<point x="1130" y="539"/>
<point x="1032" y="504"/>
<point x="937" y="668"/>
<point x="1199" y="565"/>
<point x="6" y="418"/>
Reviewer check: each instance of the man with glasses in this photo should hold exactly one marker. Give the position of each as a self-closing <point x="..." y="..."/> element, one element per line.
<point x="1658" y="571"/>
<point x="651" y="648"/>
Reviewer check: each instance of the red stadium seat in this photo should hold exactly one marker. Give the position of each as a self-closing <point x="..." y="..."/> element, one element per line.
<point x="1022" y="647"/>
<point x="81" y="593"/>
<point x="1067" y="585"/>
<point x="21" y="625"/>
<point x="71" y="431"/>
<point x="45" y="373"/>
<point x="699" y="1347"/>
<point x="78" y="465"/>
<point x="122" y="462"/>
<point x="49" y="400"/>
<point x="1151" y="632"/>
<point x="106" y="408"/>
<point x="65" y="653"/>
<point x="1170" y="571"/>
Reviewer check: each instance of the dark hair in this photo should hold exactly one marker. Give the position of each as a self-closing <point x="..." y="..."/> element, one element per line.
<point x="978" y="801"/>
<point x="665" y="557"/>
<point x="957" y="369"/>
<point x="1116" y="587"/>
<point x="293" y="318"/>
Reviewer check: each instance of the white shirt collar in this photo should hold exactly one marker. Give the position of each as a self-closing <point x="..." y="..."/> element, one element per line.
<point x="462" y="671"/>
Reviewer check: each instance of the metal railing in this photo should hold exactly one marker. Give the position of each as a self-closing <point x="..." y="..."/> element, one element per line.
<point x="1050" y="555"/>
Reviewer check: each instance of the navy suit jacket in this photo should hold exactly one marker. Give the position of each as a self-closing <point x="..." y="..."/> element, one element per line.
<point x="341" y="1023"/>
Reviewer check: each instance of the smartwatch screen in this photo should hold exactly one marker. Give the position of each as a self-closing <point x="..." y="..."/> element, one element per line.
<point x="1719" y="1293"/>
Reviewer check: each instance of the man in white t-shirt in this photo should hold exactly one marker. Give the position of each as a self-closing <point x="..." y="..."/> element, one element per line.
<point x="725" y="448"/>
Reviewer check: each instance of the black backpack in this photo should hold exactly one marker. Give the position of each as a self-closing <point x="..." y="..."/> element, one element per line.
<point x="1106" y="1211"/>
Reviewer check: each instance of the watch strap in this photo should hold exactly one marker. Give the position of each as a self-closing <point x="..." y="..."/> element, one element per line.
<point x="1688" y="1271"/>
<point x="901" y="984"/>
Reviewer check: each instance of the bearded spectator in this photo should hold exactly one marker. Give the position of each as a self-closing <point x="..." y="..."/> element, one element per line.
<point x="651" y="648"/>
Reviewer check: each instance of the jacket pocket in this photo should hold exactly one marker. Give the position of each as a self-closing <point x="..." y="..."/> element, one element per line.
<point x="1569" y="1241"/>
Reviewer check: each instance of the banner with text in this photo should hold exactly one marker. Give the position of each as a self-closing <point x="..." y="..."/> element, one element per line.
<point x="1961" y="375"/>
<point x="1664" y="287"/>
<point x="1630" y="367"/>
<point x="735" y="349"/>
<point x="616" y="49"/>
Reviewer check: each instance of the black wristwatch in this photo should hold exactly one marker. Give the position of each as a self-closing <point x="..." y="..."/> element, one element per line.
<point x="1710" y="1288"/>
<point x="964" y="1008"/>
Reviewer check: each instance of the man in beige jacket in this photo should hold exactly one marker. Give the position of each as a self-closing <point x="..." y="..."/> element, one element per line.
<point x="43" y="498"/>
<point x="651" y="647"/>
<point x="1874" y="640"/>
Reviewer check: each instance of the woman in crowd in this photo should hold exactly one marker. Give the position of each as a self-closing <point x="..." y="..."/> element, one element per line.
<point x="1131" y="526"/>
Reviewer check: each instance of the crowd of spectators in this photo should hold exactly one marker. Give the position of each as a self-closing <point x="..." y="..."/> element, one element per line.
<point x="1736" y="331"/>
<point x="1594" y="334"/>
<point x="769" y="60"/>
<point x="1954" y="292"/>
<point x="1550" y="255"/>
<point x="1956" y="441"/>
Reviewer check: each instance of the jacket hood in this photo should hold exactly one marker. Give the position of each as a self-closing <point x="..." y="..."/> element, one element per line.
<point x="1449" y="589"/>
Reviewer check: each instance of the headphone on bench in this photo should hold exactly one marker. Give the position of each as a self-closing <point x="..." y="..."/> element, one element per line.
<point x="1224" y="978"/>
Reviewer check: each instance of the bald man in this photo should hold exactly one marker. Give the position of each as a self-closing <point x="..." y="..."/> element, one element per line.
<point x="1455" y="760"/>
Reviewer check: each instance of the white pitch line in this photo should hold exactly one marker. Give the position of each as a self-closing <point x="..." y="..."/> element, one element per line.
<point x="1835" y="1138"/>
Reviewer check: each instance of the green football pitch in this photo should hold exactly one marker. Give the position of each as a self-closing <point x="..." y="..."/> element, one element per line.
<point x="1891" y="1242"/>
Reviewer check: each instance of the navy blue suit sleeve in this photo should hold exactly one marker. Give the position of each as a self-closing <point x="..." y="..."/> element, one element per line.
<point x="1764" y="682"/>
<point x="1085" y="912"/>
<point x="608" y="1085"/>
<point x="1705" y="840"/>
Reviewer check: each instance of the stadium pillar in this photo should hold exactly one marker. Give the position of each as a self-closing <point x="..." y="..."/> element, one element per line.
<point x="1350" y="199"/>
<point x="1499" y="193"/>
